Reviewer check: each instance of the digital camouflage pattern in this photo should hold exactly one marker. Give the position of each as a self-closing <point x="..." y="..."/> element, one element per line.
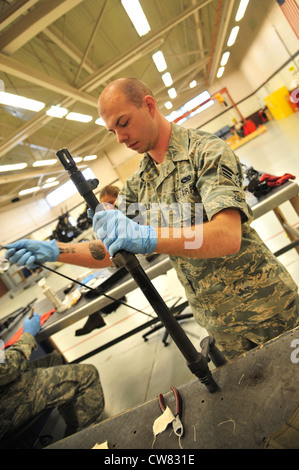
<point x="28" y="388"/>
<point x="233" y="295"/>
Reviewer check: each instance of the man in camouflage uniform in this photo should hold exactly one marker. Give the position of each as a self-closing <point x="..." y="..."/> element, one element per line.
<point x="235" y="286"/>
<point x="243" y="299"/>
<point x="28" y="388"/>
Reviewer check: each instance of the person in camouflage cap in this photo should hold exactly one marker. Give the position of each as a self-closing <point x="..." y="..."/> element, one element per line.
<point x="188" y="195"/>
<point x="28" y="388"/>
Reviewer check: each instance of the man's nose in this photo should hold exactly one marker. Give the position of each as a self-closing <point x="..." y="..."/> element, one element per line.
<point x="121" y="137"/>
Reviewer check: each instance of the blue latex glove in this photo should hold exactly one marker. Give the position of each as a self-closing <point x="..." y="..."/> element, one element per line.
<point x="28" y="252"/>
<point x="118" y="232"/>
<point x="32" y="325"/>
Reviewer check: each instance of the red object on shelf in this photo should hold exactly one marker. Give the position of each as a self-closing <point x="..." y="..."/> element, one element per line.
<point x="249" y="127"/>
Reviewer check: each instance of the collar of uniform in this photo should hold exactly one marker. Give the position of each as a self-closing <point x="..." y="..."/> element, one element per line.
<point x="178" y="141"/>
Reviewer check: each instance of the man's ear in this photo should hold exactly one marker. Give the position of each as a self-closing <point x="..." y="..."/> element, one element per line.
<point x="150" y="104"/>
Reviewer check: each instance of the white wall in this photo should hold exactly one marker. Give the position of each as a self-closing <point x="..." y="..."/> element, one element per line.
<point x="272" y="47"/>
<point x="238" y="88"/>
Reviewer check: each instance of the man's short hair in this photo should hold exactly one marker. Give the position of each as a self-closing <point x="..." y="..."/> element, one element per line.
<point x="135" y="90"/>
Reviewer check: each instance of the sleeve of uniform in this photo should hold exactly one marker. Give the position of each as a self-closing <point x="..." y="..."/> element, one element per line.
<point x="16" y="358"/>
<point x="220" y="178"/>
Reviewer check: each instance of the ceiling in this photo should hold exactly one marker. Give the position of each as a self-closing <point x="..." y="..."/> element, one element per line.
<point x="63" y="52"/>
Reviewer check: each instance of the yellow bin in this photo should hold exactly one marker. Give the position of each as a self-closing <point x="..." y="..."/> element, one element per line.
<point x="278" y="103"/>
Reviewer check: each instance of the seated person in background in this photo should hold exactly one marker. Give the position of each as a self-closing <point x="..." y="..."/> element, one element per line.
<point x="108" y="195"/>
<point x="28" y="388"/>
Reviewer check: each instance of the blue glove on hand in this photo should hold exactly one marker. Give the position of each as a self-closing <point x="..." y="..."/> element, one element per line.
<point x="32" y="325"/>
<point x="118" y="232"/>
<point x="28" y="252"/>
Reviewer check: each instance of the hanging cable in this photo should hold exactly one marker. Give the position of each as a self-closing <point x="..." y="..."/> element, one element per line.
<point x="97" y="290"/>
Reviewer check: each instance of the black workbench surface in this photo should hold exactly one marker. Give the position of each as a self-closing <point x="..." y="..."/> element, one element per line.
<point x="258" y="393"/>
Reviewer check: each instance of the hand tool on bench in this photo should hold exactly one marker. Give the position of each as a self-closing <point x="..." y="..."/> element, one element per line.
<point x="176" y="423"/>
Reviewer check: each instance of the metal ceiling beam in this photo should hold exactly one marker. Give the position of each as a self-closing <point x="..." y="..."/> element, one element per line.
<point x="33" y="23"/>
<point x="199" y="32"/>
<point x="24" y="131"/>
<point x="27" y="175"/>
<point x="91" y="40"/>
<point x="14" y="11"/>
<point x="12" y="67"/>
<point x="41" y="118"/>
<point x="76" y="144"/>
<point x="192" y="69"/>
<point x="221" y="37"/>
<point x="118" y="64"/>
<point x="100" y="77"/>
<point x="68" y="47"/>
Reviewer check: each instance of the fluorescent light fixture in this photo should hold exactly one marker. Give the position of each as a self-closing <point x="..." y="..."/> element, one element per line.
<point x="16" y="166"/>
<point x="57" y="111"/>
<point x="77" y="159"/>
<point x="66" y="190"/>
<point x="193" y="103"/>
<point x="220" y="72"/>
<point x="29" y="190"/>
<point x="172" y="93"/>
<point x="20" y="102"/>
<point x="160" y="62"/>
<point x="167" y="79"/>
<point x="225" y="58"/>
<point x="89" y="157"/>
<point x="233" y="36"/>
<point x="50" y="184"/>
<point x="193" y="84"/>
<point x="241" y="9"/>
<point x="45" y="162"/>
<point x="137" y="16"/>
<point x="196" y="101"/>
<point x="79" y="117"/>
<point x="51" y="179"/>
<point x="168" y="105"/>
<point x="100" y="122"/>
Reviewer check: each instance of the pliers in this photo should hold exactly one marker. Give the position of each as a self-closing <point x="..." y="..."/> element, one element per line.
<point x="176" y="423"/>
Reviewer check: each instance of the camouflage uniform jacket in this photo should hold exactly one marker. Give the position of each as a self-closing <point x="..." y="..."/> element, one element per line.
<point x="229" y="294"/>
<point x="16" y="359"/>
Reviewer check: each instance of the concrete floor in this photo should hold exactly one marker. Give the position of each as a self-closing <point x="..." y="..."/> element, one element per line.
<point x="135" y="371"/>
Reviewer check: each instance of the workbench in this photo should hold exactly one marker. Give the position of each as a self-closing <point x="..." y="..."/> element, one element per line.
<point x="252" y="388"/>
<point x="258" y="394"/>
<point x="288" y="192"/>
